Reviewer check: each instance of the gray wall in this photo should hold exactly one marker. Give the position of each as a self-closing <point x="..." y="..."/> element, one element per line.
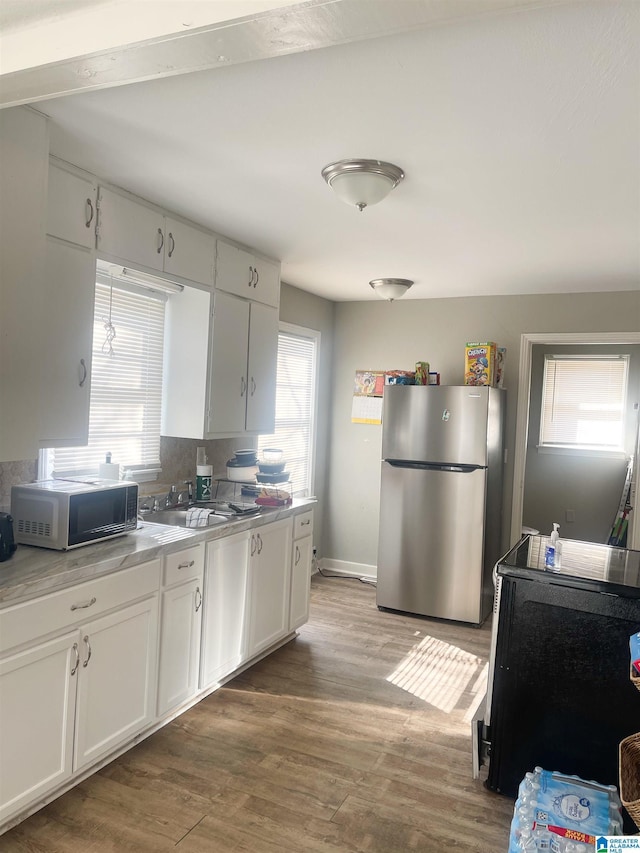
<point x="313" y="312"/>
<point x="382" y="336"/>
<point x="591" y="486"/>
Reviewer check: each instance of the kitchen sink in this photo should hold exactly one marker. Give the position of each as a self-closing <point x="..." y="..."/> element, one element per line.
<point x="177" y="517"/>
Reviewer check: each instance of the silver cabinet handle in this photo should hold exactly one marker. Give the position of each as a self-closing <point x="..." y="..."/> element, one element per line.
<point x="84" y="605"/>
<point x="91" y="211"/>
<point x="257" y="277"/>
<point x="187" y="565"/>
<point x="297" y="560"/>
<point x="243" y="386"/>
<point x="259" y="538"/>
<point x="253" y="386"/>
<point x="198" y="599"/>
<point x="161" y="235"/>
<point x="305" y="523"/>
<point x="88" y="644"/>
<point x="74" y="668"/>
<point x="254" y="544"/>
<point x="83" y="378"/>
<point x="251" y="271"/>
<point x="172" y="244"/>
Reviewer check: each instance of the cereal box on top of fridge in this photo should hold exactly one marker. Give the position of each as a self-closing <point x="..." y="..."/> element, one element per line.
<point x="480" y="363"/>
<point x="501" y="356"/>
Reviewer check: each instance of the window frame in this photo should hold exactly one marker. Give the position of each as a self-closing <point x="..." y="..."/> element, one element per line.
<point x="589" y="450"/>
<point x="316" y="336"/>
<point x="138" y="471"/>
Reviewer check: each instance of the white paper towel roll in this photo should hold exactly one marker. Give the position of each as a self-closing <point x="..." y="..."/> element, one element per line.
<point x="109" y="471"/>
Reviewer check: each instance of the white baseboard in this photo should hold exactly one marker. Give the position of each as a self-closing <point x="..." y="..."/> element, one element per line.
<point x="347" y="569"/>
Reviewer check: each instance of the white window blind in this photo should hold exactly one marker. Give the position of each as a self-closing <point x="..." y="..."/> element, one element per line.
<point x="295" y="407"/>
<point x="583" y="402"/>
<point x="126" y="387"/>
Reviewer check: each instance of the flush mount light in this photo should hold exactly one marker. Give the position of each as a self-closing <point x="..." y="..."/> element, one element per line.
<point x="390" y="288"/>
<point x="362" y="182"/>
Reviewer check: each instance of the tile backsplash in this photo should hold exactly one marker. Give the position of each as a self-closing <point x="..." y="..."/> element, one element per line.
<point x="177" y="459"/>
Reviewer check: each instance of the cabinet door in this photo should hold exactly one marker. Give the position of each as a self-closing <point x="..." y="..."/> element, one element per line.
<point x="300" y="582"/>
<point x="68" y="304"/>
<point x="224" y="620"/>
<point x="71" y="207"/>
<point x="37" y="709"/>
<point x="24" y="157"/>
<point x="262" y="369"/>
<point x="117" y="684"/>
<point x="266" y="287"/>
<point x="270" y="574"/>
<point x="235" y="272"/>
<point x="228" y="374"/>
<point x="130" y="231"/>
<point x="188" y="252"/>
<point x="179" y="645"/>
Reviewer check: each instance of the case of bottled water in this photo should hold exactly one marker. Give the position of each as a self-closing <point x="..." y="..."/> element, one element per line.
<point x="562" y="814"/>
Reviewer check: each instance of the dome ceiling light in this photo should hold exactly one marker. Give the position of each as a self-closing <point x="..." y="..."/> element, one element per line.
<point x="362" y="182"/>
<point x="390" y="288"/>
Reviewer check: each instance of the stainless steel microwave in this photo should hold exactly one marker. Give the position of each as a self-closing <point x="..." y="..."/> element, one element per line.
<point x="63" y="514"/>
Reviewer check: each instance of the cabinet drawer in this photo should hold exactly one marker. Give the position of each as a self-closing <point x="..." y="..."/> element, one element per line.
<point x="25" y="622"/>
<point x="183" y="565"/>
<point x="303" y="524"/>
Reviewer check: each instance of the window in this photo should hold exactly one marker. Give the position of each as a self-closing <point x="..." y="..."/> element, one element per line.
<point x="126" y="386"/>
<point x="583" y="402"/>
<point x="295" y="405"/>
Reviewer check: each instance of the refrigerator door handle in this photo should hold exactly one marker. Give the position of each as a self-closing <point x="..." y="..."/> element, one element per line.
<point x="433" y="466"/>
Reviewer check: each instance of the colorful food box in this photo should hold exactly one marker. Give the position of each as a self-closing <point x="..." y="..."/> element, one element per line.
<point x="422" y="373"/>
<point x="399" y="377"/>
<point x="480" y="363"/>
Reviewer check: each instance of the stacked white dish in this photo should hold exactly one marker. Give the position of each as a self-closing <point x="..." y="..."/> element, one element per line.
<point x="243" y="467"/>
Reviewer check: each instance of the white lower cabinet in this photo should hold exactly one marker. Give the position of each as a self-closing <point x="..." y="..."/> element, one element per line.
<point x="180" y="628"/>
<point x="116" y="680"/>
<point x="269" y="589"/>
<point x="224" y="621"/>
<point x="37" y="712"/>
<point x="73" y="695"/>
<point x="301" y="556"/>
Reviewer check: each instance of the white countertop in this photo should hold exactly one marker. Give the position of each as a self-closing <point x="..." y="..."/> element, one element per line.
<point x="35" y="571"/>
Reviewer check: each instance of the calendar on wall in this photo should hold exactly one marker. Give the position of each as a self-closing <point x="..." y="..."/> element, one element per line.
<point x="367" y="397"/>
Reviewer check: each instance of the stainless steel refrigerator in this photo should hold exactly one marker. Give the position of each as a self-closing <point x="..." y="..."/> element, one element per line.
<point x="440" y="500"/>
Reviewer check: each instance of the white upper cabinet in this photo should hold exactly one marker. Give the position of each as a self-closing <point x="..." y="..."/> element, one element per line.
<point x="129" y="230"/>
<point x="188" y="252"/>
<point x="67" y="301"/>
<point x="24" y="158"/>
<point x="246" y="275"/>
<point x="219" y="367"/>
<point x="133" y="232"/>
<point x="243" y="367"/>
<point x="71" y="205"/>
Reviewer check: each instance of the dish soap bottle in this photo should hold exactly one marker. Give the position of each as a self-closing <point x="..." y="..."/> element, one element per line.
<point x="204" y="475"/>
<point x="553" y="551"/>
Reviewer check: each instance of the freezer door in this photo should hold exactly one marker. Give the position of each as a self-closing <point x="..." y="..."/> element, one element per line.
<point x="445" y="423"/>
<point x="431" y="541"/>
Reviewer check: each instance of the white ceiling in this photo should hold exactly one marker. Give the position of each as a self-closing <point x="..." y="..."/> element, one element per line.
<point x="518" y="131"/>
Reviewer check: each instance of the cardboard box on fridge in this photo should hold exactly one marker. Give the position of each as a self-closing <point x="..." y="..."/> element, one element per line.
<point x="480" y="363"/>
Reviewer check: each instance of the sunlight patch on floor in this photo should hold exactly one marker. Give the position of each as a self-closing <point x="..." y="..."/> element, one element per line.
<point x="438" y="673"/>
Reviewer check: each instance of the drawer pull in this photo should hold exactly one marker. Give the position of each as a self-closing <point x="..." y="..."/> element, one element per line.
<point x="88" y="644"/>
<point x="259" y="541"/>
<point x="85" y="605"/>
<point x="74" y="668"/>
<point x="187" y="565"/>
<point x="305" y="523"/>
<point x="198" y="599"/>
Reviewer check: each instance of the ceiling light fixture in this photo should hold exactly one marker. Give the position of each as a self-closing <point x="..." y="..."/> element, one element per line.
<point x="390" y="288"/>
<point x="362" y="182"/>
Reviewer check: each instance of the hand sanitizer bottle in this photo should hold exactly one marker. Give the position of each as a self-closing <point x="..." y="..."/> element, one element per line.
<point x="553" y="551"/>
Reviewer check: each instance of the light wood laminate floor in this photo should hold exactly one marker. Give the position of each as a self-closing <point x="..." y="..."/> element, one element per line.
<point x="353" y="737"/>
